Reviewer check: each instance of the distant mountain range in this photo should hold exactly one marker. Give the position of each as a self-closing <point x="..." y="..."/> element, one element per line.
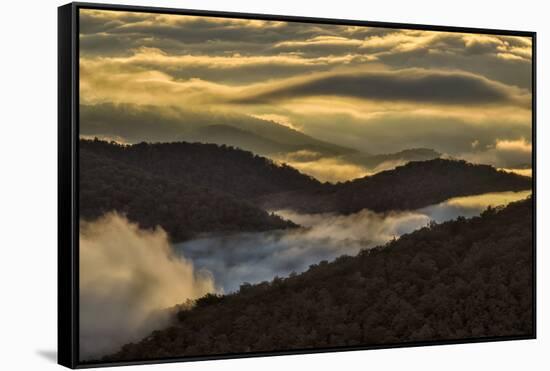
<point x="468" y="278"/>
<point x="274" y="140"/>
<point x="412" y="186"/>
<point x="407" y="155"/>
<point x="191" y="188"/>
<point x="138" y="123"/>
<point x="264" y="140"/>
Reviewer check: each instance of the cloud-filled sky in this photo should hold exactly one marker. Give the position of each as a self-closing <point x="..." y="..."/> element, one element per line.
<point x="378" y="90"/>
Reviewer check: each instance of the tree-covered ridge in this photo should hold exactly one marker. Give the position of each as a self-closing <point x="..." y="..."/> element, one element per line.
<point x="259" y="180"/>
<point x="467" y="278"/>
<point x="414" y="185"/>
<point x="238" y="172"/>
<point x="182" y="208"/>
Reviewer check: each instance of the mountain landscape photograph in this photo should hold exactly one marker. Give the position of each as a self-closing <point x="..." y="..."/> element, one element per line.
<point x="252" y="186"/>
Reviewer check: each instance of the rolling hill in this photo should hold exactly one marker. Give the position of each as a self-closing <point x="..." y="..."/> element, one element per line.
<point x="255" y="178"/>
<point x="181" y="207"/>
<point x="412" y="186"/>
<point x="468" y="278"/>
<point x="233" y="171"/>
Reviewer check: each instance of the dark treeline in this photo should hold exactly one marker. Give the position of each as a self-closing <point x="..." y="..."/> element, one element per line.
<point x="182" y="208"/>
<point x="467" y="278"/>
<point x="189" y="188"/>
<point x="238" y="172"/>
<point x="412" y="186"/>
<point x="258" y="180"/>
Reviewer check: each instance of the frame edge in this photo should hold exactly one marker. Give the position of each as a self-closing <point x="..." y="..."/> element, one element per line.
<point x="298" y="18"/>
<point x="66" y="294"/>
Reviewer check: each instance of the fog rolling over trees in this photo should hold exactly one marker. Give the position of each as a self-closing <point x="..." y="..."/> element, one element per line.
<point x="260" y="256"/>
<point x="466" y="278"/>
<point x="187" y="220"/>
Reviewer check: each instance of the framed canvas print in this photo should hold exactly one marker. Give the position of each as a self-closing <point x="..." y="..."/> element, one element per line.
<point x="236" y="185"/>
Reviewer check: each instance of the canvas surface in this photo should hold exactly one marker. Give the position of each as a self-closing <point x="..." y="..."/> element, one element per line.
<point x="263" y="186"/>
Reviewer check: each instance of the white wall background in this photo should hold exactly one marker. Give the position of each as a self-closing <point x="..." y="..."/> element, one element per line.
<point x="28" y="78"/>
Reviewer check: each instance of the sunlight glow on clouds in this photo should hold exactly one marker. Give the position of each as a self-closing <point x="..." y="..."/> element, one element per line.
<point x="351" y="86"/>
<point x="332" y="169"/>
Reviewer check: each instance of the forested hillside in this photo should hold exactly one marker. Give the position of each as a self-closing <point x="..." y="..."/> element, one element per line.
<point x="231" y="170"/>
<point x="467" y="278"/>
<point x="182" y="207"/>
<point x="408" y="187"/>
<point x="258" y="180"/>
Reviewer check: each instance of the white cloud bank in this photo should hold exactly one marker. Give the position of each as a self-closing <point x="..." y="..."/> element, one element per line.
<point x="128" y="279"/>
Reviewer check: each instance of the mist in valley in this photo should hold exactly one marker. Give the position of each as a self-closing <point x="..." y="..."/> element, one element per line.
<point x="129" y="280"/>
<point x="255" y="257"/>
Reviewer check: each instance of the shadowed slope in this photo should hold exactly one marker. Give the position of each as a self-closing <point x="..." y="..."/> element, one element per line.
<point x="467" y="278"/>
<point x="182" y="208"/>
<point x="411" y="186"/>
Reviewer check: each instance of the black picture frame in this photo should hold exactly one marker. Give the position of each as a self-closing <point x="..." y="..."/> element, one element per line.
<point x="68" y="170"/>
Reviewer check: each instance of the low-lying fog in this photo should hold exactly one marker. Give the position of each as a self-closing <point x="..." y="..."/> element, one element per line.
<point x="129" y="276"/>
<point x="256" y="257"/>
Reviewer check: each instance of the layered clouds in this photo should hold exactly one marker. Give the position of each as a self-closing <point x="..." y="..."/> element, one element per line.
<point x="373" y="89"/>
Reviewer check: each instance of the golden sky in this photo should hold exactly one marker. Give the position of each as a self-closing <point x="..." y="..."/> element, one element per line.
<point x="151" y="76"/>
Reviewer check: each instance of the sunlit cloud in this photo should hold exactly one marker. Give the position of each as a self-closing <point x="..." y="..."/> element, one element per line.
<point x="520" y="145"/>
<point x="505" y="153"/>
<point x="320" y="43"/>
<point x="488" y="199"/>
<point x="348" y="85"/>
<point x="154" y="58"/>
<point x="325" y="169"/>
<point x="333" y="169"/>
<point x="524" y="172"/>
<point x="279" y="119"/>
